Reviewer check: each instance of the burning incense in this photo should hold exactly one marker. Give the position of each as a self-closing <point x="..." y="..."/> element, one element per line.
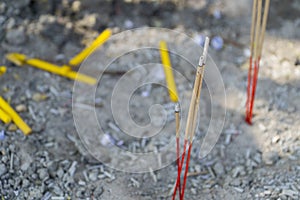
<point x="258" y="29"/>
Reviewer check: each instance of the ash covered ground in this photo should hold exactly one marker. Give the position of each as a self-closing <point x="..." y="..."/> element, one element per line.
<point x="261" y="161"/>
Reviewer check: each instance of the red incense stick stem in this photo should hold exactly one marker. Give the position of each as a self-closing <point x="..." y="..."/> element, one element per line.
<point x="180" y="168"/>
<point x="178" y="184"/>
<point x="248" y="89"/>
<point x="255" y="76"/>
<point x="186" y="171"/>
<point x="178" y="164"/>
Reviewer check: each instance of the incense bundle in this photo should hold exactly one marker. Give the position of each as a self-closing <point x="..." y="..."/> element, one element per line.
<point x="258" y="29"/>
<point x="191" y="121"/>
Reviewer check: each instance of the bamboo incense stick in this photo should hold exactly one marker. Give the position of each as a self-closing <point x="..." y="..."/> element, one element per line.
<point x="193" y="112"/>
<point x="165" y="58"/>
<point x="257" y="38"/>
<point x="185" y="172"/>
<point x="258" y="56"/>
<point x="251" y="50"/>
<point x="264" y="25"/>
<point x="177" y="120"/>
<point x="255" y="45"/>
<point x="257" y="29"/>
<point x="189" y="124"/>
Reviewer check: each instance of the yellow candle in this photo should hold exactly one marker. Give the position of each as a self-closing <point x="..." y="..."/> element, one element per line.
<point x="65" y="70"/>
<point x="2" y="70"/>
<point x="4" y="117"/>
<point x="100" y="40"/>
<point x="15" y="117"/>
<point x="168" y="71"/>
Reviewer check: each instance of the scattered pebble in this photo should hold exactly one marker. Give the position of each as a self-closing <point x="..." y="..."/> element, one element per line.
<point x="238" y="171"/>
<point x="219" y="169"/>
<point x="238" y="189"/>
<point x="16" y="36"/>
<point x="128" y="24"/>
<point x="217" y="43"/>
<point x="135" y="183"/>
<point x="290" y="193"/>
<point x="21" y="108"/>
<point x="3" y="169"/>
<point x="270" y="158"/>
<point x="39" y="97"/>
<point x="12" y="128"/>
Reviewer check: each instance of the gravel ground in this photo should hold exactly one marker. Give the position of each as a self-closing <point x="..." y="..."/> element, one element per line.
<point x="261" y="161"/>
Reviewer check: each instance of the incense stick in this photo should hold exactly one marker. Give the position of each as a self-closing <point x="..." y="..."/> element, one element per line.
<point x="193" y="112"/>
<point x="264" y="25"/>
<point x="257" y="38"/>
<point x="255" y="46"/>
<point x="177" y="120"/>
<point x="251" y="50"/>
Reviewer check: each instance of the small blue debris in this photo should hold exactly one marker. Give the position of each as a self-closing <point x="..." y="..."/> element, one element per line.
<point x="2" y="135"/>
<point x="217" y="43"/>
<point x="200" y="39"/>
<point x="217" y="14"/>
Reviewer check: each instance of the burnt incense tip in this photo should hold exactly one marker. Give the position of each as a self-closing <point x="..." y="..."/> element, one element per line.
<point x="177" y="107"/>
<point x="202" y="59"/>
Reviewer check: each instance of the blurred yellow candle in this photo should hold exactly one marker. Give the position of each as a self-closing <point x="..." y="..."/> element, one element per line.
<point x="4" y="117"/>
<point x="2" y="70"/>
<point x="65" y="70"/>
<point x="168" y="71"/>
<point x="15" y="117"/>
<point x="103" y="37"/>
